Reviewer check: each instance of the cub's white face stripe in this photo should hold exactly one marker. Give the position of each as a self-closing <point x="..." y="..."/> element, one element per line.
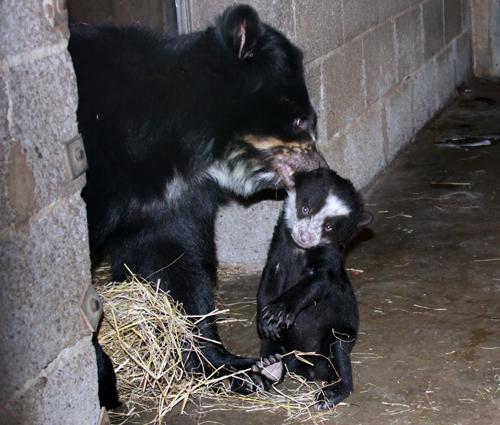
<point x="334" y="206"/>
<point x="290" y="210"/>
<point x="307" y="231"/>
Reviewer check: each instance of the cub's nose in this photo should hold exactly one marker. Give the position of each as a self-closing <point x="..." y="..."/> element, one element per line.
<point x="306" y="238"/>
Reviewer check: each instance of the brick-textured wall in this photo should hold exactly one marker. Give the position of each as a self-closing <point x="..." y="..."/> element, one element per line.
<point x="47" y="364"/>
<point x="377" y="71"/>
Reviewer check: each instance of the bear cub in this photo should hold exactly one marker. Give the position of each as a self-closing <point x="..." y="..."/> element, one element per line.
<point x="305" y="301"/>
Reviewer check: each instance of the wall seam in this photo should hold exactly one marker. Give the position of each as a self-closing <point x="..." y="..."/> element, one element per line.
<point x="47" y="370"/>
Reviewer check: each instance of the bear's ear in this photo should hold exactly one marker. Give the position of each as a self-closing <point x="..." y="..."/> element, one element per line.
<point x="240" y="28"/>
<point x="366" y="219"/>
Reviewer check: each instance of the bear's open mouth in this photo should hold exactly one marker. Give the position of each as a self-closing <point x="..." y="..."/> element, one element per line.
<point x="287" y="157"/>
<point x="286" y="162"/>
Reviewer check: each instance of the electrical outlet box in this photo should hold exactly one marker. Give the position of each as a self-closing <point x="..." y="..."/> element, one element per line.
<point x="77" y="159"/>
<point x="91" y="308"/>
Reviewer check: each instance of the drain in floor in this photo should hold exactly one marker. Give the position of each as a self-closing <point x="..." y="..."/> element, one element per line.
<point x="474" y="142"/>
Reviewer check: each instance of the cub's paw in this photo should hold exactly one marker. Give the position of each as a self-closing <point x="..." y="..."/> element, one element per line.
<point x="271" y="368"/>
<point x="331" y="396"/>
<point x="275" y="319"/>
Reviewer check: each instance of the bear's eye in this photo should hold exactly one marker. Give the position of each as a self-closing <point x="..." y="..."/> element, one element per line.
<point x="328" y="227"/>
<point x="305" y="210"/>
<point x="300" y="124"/>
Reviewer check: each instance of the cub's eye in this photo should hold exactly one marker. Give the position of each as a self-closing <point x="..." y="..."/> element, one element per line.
<point x="305" y="210"/>
<point x="299" y="124"/>
<point x="328" y="227"/>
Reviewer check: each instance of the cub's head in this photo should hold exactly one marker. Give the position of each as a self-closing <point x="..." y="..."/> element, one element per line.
<point x="268" y="131"/>
<point x="323" y="208"/>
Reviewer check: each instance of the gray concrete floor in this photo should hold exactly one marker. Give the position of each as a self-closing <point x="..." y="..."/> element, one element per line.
<point x="429" y="291"/>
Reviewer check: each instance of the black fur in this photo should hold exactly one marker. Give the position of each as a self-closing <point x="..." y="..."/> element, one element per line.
<point x="108" y="394"/>
<point x="171" y="126"/>
<point x="305" y="300"/>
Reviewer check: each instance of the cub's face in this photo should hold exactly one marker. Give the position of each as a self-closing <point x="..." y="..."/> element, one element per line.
<point x="269" y="130"/>
<point x="323" y="208"/>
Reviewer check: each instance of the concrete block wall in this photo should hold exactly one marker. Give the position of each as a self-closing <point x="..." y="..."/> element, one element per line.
<point x="47" y="362"/>
<point x="485" y="17"/>
<point x="377" y="71"/>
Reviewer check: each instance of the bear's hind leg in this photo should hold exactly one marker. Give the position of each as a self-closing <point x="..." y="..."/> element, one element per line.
<point x="340" y="372"/>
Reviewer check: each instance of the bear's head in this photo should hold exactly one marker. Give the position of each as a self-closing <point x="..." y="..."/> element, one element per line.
<point x="268" y="131"/>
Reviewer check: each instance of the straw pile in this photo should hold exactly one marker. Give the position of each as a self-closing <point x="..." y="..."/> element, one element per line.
<point x="145" y="332"/>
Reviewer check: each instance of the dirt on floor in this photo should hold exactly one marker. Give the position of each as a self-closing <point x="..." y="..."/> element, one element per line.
<point x="427" y="279"/>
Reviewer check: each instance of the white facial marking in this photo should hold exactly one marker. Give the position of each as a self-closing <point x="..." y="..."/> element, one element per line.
<point x="334" y="206"/>
<point x="307" y="231"/>
<point x="290" y="210"/>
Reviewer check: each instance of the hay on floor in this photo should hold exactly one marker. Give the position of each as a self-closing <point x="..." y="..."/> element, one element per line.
<point x="146" y="333"/>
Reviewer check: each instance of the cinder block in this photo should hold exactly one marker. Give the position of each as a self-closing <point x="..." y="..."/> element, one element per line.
<point x="344" y="89"/>
<point x="30" y="24"/>
<point x="433" y="27"/>
<point x="357" y="151"/>
<point x="44" y="271"/>
<point x="65" y="393"/>
<point x="424" y="87"/>
<point x="359" y="16"/>
<point x="445" y="76"/>
<point x="20" y="185"/>
<point x="4" y="107"/>
<point x="44" y="99"/>
<point x="409" y="42"/>
<point x="315" y="86"/>
<point x="466" y="14"/>
<point x="318" y="26"/>
<point x="398" y="119"/>
<point x="463" y="58"/>
<point x="452" y="19"/>
<point x="32" y="180"/>
<point x="230" y="233"/>
<point x="276" y="13"/>
<point x="364" y="147"/>
<point x="337" y="155"/>
<point x="388" y="8"/>
<point x="6" y="213"/>
<point x="379" y="52"/>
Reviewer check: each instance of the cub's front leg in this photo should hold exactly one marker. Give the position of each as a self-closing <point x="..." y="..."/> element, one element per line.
<point x="269" y="289"/>
<point x="276" y="317"/>
<point x="279" y="314"/>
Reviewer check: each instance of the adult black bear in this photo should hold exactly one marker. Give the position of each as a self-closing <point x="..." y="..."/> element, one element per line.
<point x="171" y="126"/>
<point x="305" y="300"/>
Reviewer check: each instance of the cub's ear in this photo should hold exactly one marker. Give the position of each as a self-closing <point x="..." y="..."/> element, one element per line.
<point x="366" y="219"/>
<point x="240" y="28"/>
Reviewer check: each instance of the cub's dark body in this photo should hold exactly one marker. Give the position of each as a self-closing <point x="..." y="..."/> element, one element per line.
<point x="305" y="300"/>
<point x="171" y="127"/>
